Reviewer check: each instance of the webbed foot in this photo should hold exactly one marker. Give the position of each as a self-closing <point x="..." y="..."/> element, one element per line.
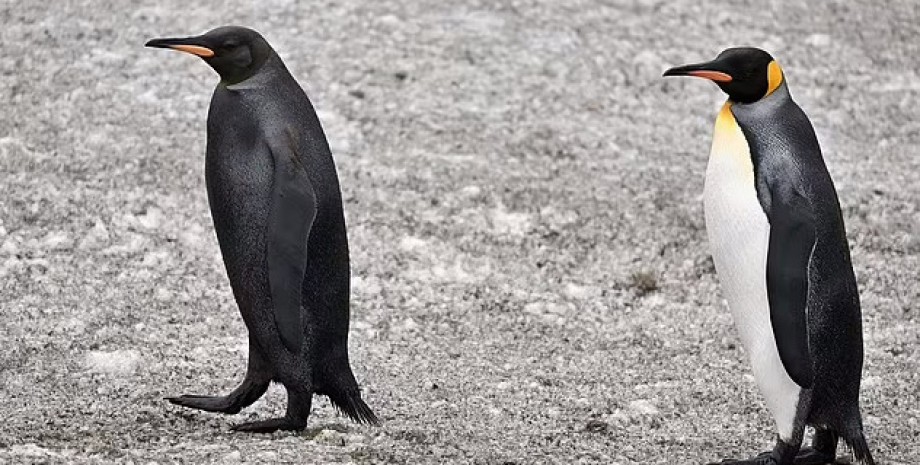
<point x="271" y="425"/>
<point x="222" y="404"/>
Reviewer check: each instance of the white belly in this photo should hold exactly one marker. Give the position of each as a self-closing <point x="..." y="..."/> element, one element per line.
<point x="738" y="236"/>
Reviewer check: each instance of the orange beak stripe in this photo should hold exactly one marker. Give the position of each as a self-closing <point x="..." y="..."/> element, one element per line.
<point x="716" y="76"/>
<point x="194" y="50"/>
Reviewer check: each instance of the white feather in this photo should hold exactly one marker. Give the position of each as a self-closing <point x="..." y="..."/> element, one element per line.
<point x="738" y="237"/>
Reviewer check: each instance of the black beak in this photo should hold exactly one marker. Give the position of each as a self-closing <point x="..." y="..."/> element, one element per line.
<point x="708" y="70"/>
<point x="193" y="45"/>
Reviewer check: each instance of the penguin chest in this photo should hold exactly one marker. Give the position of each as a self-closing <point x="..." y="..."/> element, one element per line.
<point x="238" y="174"/>
<point x="739" y="235"/>
<point x="737" y="227"/>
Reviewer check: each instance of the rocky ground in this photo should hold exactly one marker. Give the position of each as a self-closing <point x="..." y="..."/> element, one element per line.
<point x="531" y="275"/>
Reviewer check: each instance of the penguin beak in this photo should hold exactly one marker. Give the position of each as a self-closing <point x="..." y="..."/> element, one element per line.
<point x="193" y="45"/>
<point x="703" y="70"/>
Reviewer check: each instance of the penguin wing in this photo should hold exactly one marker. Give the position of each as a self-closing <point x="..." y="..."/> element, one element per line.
<point x="792" y="240"/>
<point x="293" y="208"/>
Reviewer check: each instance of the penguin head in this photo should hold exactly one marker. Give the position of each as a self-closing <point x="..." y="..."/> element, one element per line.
<point x="746" y="74"/>
<point x="236" y="53"/>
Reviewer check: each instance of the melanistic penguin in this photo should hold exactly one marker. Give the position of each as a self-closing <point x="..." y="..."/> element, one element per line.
<point x="277" y="209"/>
<point x="781" y="254"/>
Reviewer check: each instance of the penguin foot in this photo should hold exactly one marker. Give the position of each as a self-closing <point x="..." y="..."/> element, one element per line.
<point x="751" y="461"/>
<point x="207" y="403"/>
<point x="765" y="458"/>
<point x="809" y="456"/>
<point x="270" y="426"/>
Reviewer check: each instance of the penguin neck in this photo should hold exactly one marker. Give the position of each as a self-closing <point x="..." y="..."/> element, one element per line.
<point x="269" y="71"/>
<point x="777" y="94"/>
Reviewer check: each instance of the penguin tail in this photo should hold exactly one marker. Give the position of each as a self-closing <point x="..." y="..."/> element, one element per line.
<point x="338" y="383"/>
<point x="855" y="439"/>
<point x="351" y="404"/>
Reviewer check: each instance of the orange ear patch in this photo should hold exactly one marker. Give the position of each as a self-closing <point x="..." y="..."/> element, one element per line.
<point x="195" y="50"/>
<point x="774" y="77"/>
<point x="716" y="76"/>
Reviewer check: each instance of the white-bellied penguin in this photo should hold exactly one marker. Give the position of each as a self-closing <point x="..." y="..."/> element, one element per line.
<point x="277" y="209"/>
<point x="781" y="254"/>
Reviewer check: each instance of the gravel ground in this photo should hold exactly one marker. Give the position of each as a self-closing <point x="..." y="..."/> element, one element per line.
<point x="531" y="276"/>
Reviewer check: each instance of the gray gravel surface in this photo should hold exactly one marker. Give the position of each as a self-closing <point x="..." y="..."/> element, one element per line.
<point x="531" y="275"/>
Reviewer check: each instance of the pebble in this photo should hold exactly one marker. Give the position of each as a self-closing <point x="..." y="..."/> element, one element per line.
<point x="116" y="362"/>
<point x="57" y="240"/>
<point x="330" y="437"/>
<point x="643" y="407"/>
<point x="95" y="238"/>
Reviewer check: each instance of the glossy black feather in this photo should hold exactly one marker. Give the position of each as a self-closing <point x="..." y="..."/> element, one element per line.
<point x="792" y="238"/>
<point x="814" y="302"/>
<point x="277" y="209"/>
<point x="293" y="208"/>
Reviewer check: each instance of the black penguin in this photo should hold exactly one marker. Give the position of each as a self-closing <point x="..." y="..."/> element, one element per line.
<point x="277" y="210"/>
<point x="780" y="249"/>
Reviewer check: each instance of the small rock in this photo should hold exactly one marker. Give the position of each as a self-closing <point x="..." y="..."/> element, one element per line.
<point x="818" y="40"/>
<point x="31" y="450"/>
<point x="96" y="237"/>
<point x="643" y="407"/>
<point x="471" y="191"/>
<point x="155" y="258"/>
<point x="9" y="247"/>
<point x="643" y="282"/>
<point x="410" y="243"/>
<point x="365" y="286"/>
<point x="330" y="437"/>
<point x="72" y="326"/>
<point x="151" y="219"/>
<point x="193" y="237"/>
<point x="406" y="326"/>
<point x="389" y="20"/>
<point x="534" y="308"/>
<point x="510" y="223"/>
<point x="117" y="362"/>
<point x="57" y="240"/>
<point x="574" y="291"/>
<point x="9" y="266"/>
<point x="162" y="294"/>
<point x="596" y="426"/>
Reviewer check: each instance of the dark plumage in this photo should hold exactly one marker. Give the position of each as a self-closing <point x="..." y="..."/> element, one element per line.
<point x="277" y="209"/>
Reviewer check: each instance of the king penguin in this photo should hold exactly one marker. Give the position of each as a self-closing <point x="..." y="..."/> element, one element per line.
<point x="277" y="210"/>
<point x="780" y="251"/>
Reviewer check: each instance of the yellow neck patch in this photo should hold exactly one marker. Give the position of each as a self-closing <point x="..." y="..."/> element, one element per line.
<point x="726" y="120"/>
<point x="729" y="146"/>
<point x="774" y="77"/>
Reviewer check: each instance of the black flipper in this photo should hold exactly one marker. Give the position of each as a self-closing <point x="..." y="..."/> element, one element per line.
<point x="792" y="239"/>
<point x="292" y="212"/>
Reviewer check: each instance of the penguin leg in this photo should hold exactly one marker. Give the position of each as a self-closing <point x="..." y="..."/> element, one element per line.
<point x="823" y="449"/>
<point x="258" y="377"/>
<point x="298" y="410"/>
